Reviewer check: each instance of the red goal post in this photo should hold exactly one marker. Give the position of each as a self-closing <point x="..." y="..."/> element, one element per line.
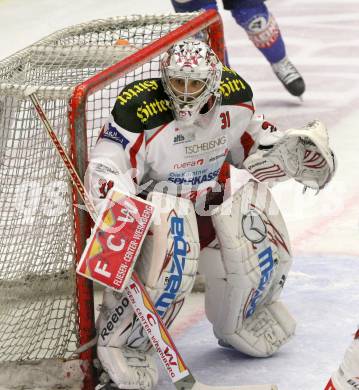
<point x="209" y="20"/>
<point x="77" y="75"/>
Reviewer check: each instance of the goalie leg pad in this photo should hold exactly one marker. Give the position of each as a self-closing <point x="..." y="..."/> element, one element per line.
<point x="264" y="332"/>
<point x="169" y="257"/>
<point x="128" y="368"/>
<point x="168" y="261"/>
<point x="167" y="266"/>
<point x="255" y="257"/>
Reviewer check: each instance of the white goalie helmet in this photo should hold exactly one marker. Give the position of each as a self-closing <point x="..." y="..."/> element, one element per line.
<point x="191" y="74"/>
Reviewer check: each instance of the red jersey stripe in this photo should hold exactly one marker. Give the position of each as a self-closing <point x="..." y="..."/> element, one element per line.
<point x="247" y="143"/>
<point x="249" y="106"/>
<point x="156" y="133"/>
<point x="134" y="150"/>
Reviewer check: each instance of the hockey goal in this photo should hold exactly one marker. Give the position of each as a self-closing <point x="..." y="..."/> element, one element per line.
<point x="46" y="311"/>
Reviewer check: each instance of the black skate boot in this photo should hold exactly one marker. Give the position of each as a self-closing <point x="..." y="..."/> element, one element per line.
<point x="289" y="76"/>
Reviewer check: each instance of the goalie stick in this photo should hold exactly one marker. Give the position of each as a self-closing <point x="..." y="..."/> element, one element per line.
<point x="141" y="302"/>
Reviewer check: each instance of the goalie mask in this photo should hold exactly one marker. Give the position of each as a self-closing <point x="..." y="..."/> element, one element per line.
<point x="191" y="74"/>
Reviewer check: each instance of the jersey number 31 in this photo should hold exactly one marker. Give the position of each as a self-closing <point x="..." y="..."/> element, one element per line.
<point x="226" y="121"/>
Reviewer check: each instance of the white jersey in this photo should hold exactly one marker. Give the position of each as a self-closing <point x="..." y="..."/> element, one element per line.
<point x="142" y="144"/>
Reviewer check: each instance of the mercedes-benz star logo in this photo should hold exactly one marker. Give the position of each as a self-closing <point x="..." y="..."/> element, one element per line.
<point x="253" y="227"/>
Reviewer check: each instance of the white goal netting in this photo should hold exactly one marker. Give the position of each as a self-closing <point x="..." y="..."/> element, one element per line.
<point x="39" y="316"/>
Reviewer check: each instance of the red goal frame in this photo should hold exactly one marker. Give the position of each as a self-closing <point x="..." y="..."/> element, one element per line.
<point x="209" y="20"/>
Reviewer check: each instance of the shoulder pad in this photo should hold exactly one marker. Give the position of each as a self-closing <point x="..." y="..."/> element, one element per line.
<point x="233" y="88"/>
<point x="142" y="105"/>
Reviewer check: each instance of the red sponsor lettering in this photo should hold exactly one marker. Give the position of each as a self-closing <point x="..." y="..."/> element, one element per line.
<point x="170" y="357"/>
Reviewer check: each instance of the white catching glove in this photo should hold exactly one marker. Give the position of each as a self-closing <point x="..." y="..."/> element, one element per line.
<point x="302" y="154"/>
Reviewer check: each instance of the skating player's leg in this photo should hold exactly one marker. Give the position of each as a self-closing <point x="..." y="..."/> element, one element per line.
<point x="243" y="288"/>
<point x="196" y="5"/>
<point x="193" y="5"/>
<point x="167" y="266"/>
<point x="263" y="31"/>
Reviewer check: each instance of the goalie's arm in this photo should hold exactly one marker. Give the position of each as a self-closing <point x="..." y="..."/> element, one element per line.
<point x="117" y="161"/>
<point x="302" y="154"/>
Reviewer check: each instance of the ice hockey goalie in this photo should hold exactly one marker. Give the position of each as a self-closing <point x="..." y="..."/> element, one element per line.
<point x="170" y="140"/>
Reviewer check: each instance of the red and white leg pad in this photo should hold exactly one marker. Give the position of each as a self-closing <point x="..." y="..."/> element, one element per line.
<point x="242" y="289"/>
<point x="167" y="266"/>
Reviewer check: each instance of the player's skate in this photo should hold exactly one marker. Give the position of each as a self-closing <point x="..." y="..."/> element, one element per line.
<point x="289" y="76"/>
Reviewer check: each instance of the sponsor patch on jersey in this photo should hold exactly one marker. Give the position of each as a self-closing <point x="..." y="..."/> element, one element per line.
<point x="136" y="89"/>
<point x="219" y="156"/>
<point x="104" y="187"/>
<point x="232" y="84"/>
<point x="206" y="146"/>
<point x="188" y="164"/>
<point x="178" y="139"/>
<point x="233" y="88"/>
<point x="182" y="138"/>
<point x="114" y="135"/>
<point x="192" y="178"/>
<point x="153" y="108"/>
